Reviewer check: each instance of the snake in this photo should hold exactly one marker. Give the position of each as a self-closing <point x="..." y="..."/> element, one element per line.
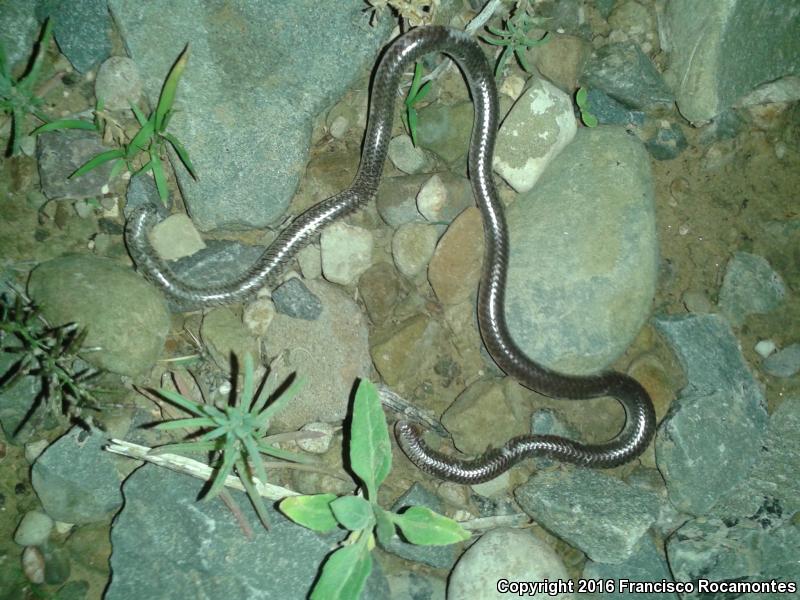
<point x="639" y="426"/>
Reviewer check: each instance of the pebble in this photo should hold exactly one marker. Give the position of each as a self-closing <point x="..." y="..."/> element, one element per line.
<point x="765" y="347"/>
<point x="118" y="83"/>
<point x="408" y="158"/>
<point x="34" y="449"/>
<point x="412" y="247"/>
<point x="784" y="363"/>
<point x="33" y="564"/>
<point x="346" y="252"/>
<point x="258" y="315"/>
<point x="321" y="444"/>
<point x="33" y="529"/>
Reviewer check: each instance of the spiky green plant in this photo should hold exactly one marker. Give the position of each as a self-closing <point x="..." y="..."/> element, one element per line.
<point x="150" y="140"/>
<point x="516" y="37"/>
<point x="235" y="434"/>
<point x="18" y="96"/>
<point x="49" y="353"/>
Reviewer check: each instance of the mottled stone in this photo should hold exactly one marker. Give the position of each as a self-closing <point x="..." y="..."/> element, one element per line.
<point x="346" y="252"/>
<point x="293" y="298"/>
<point x="60" y="154"/>
<point x="446" y="129"/>
<point x="380" y="290"/>
<point x="784" y="363"/>
<point x="750" y="286"/>
<point x="455" y="268"/>
<point x="444" y="196"/>
<point x="412" y="247"/>
<point x="82" y="30"/>
<point x="118" y="83"/>
<point x="176" y="237"/>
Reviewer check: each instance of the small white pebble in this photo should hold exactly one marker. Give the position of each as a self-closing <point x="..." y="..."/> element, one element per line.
<point x="224" y="388"/>
<point x="683" y="229"/>
<point x="765" y="347"/>
<point x="780" y="150"/>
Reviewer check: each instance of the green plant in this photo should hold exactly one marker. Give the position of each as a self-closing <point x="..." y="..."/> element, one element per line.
<point x="582" y="100"/>
<point x="95" y="125"/>
<point x="17" y="96"/>
<point x="46" y="352"/>
<point x="515" y="37"/>
<point x="416" y="93"/>
<point x="150" y="140"/>
<point x="235" y="434"/>
<point x="347" y="568"/>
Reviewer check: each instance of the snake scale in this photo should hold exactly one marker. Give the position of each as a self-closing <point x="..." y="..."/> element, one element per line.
<point x="640" y="417"/>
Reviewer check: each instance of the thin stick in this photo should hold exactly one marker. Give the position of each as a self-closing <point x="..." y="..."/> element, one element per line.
<point x="195" y="468"/>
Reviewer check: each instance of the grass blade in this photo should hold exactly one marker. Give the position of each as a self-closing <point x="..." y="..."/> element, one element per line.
<point x="64" y="124"/>
<point x="160" y="177"/>
<point x="181" y="151"/>
<point x="167" y="96"/>
<point x="98" y="160"/>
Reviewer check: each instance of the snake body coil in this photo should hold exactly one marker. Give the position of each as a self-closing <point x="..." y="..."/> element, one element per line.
<point x="640" y="417"/>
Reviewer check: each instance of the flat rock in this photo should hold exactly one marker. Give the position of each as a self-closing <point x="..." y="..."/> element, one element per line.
<point x="60" y="153"/>
<point x="82" y="30"/>
<point x="750" y="286"/>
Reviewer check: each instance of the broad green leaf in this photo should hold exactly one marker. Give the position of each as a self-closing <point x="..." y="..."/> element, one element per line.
<point x="98" y="160"/>
<point x="182" y="153"/>
<point x="412" y="125"/>
<point x="353" y="512"/>
<point x="412" y="92"/>
<point x="313" y="512"/>
<point x="581" y="96"/>
<point x="64" y="124"/>
<point x="370" y="448"/>
<point x="384" y="525"/>
<point x="116" y="170"/>
<point x="421" y="526"/>
<point x="344" y="573"/>
<point x="167" y="96"/>
<point x="589" y="119"/>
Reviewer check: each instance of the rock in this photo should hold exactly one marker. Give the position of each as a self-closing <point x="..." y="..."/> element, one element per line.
<point x="310" y="261"/>
<point x="33" y="450"/>
<point x="750" y="286"/>
<point x="20" y="30"/>
<point x="455" y="268"/>
<point x="167" y="545"/>
<point x="502" y="556"/>
<point x="645" y="564"/>
<point x="142" y="190"/>
<point x="118" y="83"/>
<point x="412" y="247"/>
<point x="218" y="263"/>
<point x="771" y="484"/>
<point x="407" y="157"/>
<point x="285" y="94"/>
<point x="15" y="404"/>
<point x="331" y="352"/>
<point x="225" y="336"/>
<point x="258" y="315"/>
<point x="176" y="237"/>
<point x="33" y="564"/>
<point x="707" y="444"/>
<point x="610" y="112"/>
<point x="720" y="553"/>
<point x="697" y="302"/>
<point x="626" y="74"/>
<point x="415" y="586"/>
<point x="397" y="199"/>
<point x="318" y="445"/>
<point x="538" y="127"/>
<point x="125" y="316"/>
<point x="346" y="252"/>
<point x="83" y="31"/>
<point x="784" y="363"/>
<point x="598" y="514"/>
<point x="76" y="480"/>
<point x="632" y="21"/>
<point x="722" y="51"/>
<point x="446" y="129"/>
<point x="483" y="401"/>
<point x="583" y="254"/>
<point x="444" y="196"/>
<point x="438" y="557"/>
<point x="33" y="529"/>
<point x="61" y="153"/>
<point x="764" y="348"/>
<point x="294" y="299"/>
<point x="400" y="352"/>
<point x="667" y="142"/>
<point x="561" y="59"/>
<point x="380" y="290"/>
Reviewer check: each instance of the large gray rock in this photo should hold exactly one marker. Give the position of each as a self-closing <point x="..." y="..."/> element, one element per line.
<point x="76" y="480"/>
<point x="711" y="437"/>
<point x="722" y="50"/>
<point x="258" y="74"/>
<point x="583" y="253"/>
<point x="18" y="30"/>
<point x="598" y="514"/>
<point x="166" y="544"/>
<point x="82" y="30"/>
<point x="125" y="316"/>
<point x="750" y="286"/>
